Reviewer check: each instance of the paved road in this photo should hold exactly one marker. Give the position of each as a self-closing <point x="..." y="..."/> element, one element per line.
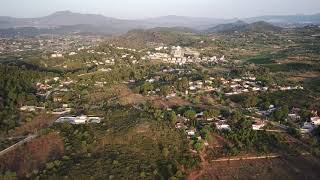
<point x="27" y="139"/>
<point x="271" y="156"/>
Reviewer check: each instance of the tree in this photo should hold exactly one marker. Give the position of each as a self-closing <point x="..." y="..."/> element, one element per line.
<point x="211" y="113"/>
<point x="265" y="105"/>
<point x="157" y="114"/>
<point x="164" y="90"/>
<point x="190" y="114"/>
<point x="10" y="176"/>
<point x="294" y="132"/>
<point x="281" y="113"/>
<point x="250" y="101"/>
<point x="172" y="117"/>
<point x="196" y="100"/>
<point x="236" y="116"/>
<point x="205" y="132"/>
<point x="146" y="87"/>
<point x="305" y="114"/>
<point x="165" y="152"/>
<point x="198" y="146"/>
<point x="182" y="84"/>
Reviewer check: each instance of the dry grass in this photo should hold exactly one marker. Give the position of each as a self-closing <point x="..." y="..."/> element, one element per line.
<point x="304" y="76"/>
<point x="166" y="103"/>
<point x="40" y="121"/>
<point x="33" y="155"/>
<point x="279" y="168"/>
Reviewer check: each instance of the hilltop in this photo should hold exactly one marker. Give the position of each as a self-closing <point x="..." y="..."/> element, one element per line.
<point x="70" y="22"/>
<point x="241" y="26"/>
<point x="141" y="37"/>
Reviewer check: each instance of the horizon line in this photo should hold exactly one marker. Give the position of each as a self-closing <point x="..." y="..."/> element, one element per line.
<point x="152" y="17"/>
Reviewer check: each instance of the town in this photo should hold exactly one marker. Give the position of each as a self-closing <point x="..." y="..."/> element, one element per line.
<point x="160" y="103"/>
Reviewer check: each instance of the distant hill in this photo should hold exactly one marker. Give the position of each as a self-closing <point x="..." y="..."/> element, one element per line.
<point x="171" y="36"/>
<point x="230" y="27"/>
<point x="241" y="26"/>
<point x="198" y="23"/>
<point x="74" y="22"/>
<point x="67" y="18"/>
<point x="261" y="26"/>
<point x="288" y="21"/>
<point x="70" y="22"/>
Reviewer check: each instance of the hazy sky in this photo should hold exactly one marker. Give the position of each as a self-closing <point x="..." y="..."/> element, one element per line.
<point x="131" y="9"/>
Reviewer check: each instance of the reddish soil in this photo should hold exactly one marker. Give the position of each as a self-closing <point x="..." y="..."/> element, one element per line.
<point x="277" y="168"/>
<point x="168" y="102"/>
<point x="40" y="121"/>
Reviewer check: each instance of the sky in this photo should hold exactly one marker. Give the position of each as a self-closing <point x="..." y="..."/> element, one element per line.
<point x="138" y="9"/>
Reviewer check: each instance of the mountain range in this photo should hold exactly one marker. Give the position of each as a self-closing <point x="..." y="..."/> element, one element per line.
<point x="66" y="21"/>
<point x="241" y="26"/>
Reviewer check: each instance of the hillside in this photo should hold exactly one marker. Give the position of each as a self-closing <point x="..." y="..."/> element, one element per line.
<point x="262" y="26"/>
<point x="198" y="23"/>
<point x="287" y="21"/>
<point x="241" y="26"/>
<point x="171" y="36"/>
<point x="76" y="22"/>
<point x="230" y="27"/>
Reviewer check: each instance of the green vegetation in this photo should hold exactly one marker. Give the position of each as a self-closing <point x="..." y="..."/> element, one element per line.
<point x="17" y="88"/>
<point x="160" y="120"/>
<point x="262" y="59"/>
<point x="243" y="138"/>
<point x="135" y="145"/>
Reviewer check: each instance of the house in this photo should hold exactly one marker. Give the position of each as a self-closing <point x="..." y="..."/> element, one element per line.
<point x="65" y="119"/>
<point x="293" y="117"/>
<point x="61" y="111"/>
<point x="221" y="125"/>
<point x="28" y="108"/>
<point x="315" y="120"/>
<point x="57" y="55"/>
<point x="258" y="125"/>
<point x="191" y="132"/>
<point x="192" y="88"/>
<point x="72" y="53"/>
<point x="57" y="99"/>
<point x="210" y="119"/>
<point x="180" y="125"/>
<point x="171" y="95"/>
<point x="307" y="128"/>
<point x="79" y="119"/>
<point x="150" y="80"/>
<point x="96" y="120"/>
<point x="200" y="115"/>
<point x="256" y="89"/>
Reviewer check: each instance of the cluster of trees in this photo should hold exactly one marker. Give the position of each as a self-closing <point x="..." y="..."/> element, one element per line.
<point x="243" y="138"/>
<point x="139" y="144"/>
<point x="282" y="100"/>
<point x="78" y="139"/>
<point x="246" y="100"/>
<point x="17" y="88"/>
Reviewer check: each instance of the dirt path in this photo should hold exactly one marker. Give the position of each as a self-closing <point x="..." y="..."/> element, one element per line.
<point x="204" y="165"/>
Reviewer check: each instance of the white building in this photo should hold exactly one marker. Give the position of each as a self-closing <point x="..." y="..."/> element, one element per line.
<point x="28" y="108"/>
<point x="56" y="55"/>
<point x="79" y="119"/>
<point x="258" y="125"/>
<point x="307" y="128"/>
<point x="191" y="132"/>
<point x="315" y="120"/>
<point x="222" y="126"/>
